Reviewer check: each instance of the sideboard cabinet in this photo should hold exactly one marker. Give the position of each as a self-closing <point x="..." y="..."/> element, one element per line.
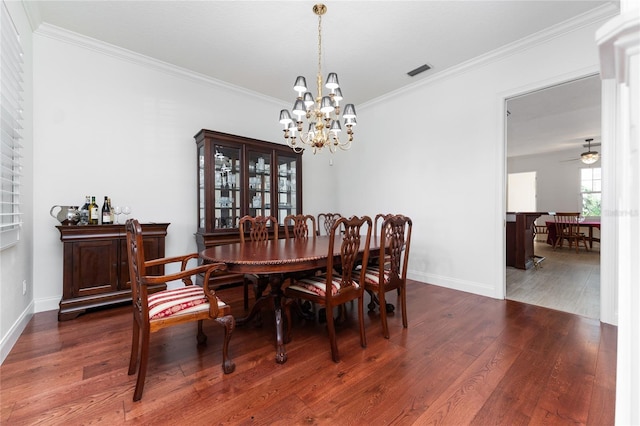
<point x="240" y="176"/>
<point x="96" y="265"/>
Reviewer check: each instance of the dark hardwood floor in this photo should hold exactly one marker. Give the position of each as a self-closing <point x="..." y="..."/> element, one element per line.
<point x="464" y="359"/>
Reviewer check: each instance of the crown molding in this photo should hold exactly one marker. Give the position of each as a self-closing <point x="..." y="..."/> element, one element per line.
<point x="79" y="40"/>
<point x="594" y="16"/>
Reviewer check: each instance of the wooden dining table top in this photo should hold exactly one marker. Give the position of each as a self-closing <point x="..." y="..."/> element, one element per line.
<point x="283" y="255"/>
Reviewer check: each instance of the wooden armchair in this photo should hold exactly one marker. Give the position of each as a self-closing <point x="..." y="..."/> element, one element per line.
<point x="331" y="289"/>
<point x="568" y="228"/>
<point x="326" y="221"/>
<point x="255" y="230"/>
<point x="301" y="226"/>
<point x="152" y="312"/>
<point x="391" y="274"/>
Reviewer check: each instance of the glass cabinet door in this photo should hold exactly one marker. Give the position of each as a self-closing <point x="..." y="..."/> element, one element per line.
<point x="227" y="183"/>
<point x="201" y="188"/>
<point x="287" y="186"/>
<point x="259" y="195"/>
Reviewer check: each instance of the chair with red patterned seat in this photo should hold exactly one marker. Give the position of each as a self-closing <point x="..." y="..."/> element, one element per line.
<point x="152" y="312"/>
<point x="331" y="289"/>
<point x="391" y="274"/>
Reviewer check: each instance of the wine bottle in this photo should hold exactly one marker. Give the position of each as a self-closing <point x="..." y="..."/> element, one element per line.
<point x="84" y="211"/>
<point x="111" y="213"/>
<point x="106" y="212"/>
<point x="94" y="215"/>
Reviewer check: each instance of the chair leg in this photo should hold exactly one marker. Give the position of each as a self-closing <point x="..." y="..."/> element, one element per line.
<point x="402" y="299"/>
<point x="227" y="321"/>
<point x="363" y="336"/>
<point x="383" y="312"/>
<point x="142" y="367"/>
<point x="135" y="348"/>
<point x="202" y="338"/>
<point x="331" y="328"/>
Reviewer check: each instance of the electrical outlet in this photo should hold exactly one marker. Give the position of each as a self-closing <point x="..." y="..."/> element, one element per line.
<point x="24" y="287"/>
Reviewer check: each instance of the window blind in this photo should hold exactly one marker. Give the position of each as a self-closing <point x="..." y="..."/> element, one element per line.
<point x="11" y="61"/>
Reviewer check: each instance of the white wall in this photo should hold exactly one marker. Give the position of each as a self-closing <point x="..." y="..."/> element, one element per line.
<point x="441" y="160"/>
<point x="16" y="262"/>
<point x="558" y="185"/>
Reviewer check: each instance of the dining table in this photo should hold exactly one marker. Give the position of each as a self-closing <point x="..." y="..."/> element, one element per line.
<point x="278" y="259"/>
<point x="590" y="224"/>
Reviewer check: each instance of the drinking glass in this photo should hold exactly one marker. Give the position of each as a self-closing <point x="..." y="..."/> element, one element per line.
<point x="126" y="211"/>
<point x="117" y="211"/>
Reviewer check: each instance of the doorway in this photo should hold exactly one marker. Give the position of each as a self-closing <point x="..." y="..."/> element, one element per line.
<point x="545" y="133"/>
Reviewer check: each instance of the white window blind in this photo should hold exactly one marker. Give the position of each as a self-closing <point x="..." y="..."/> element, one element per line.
<point x="10" y="129"/>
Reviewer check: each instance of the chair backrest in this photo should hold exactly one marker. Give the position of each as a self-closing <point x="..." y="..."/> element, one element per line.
<point x="348" y="232"/>
<point x="326" y="221"/>
<point x="567" y="224"/>
<point x="304" y="226"/>
<point x="258" y="228"/>
<point x="137" y="269"/>
<point x="395" y="243"/>
<point x="379" y="217"/>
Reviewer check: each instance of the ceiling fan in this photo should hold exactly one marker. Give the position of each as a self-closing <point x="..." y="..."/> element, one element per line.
<point x="588" y="157"/>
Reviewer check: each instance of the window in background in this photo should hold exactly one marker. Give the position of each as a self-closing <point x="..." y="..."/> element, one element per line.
<point x="11" y="116"/>
<point x="590" y="189"/>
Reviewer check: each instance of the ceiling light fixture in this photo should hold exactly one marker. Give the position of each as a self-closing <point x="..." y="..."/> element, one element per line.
<point x="322" y="114"/>
<point x="589" y="157"/>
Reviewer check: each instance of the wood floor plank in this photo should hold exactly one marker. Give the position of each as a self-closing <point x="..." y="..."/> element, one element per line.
<point x="465" y="359"/>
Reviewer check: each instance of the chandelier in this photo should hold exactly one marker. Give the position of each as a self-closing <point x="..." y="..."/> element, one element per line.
<point x="589" y="157"/>
<point x="322" y="114"/>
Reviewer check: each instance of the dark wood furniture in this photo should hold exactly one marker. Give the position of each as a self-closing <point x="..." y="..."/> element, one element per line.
<point x="153" y="312"/>
<point x="256" y="230"/>
<point x="277" y="259"/>
<point x="568" y="228"/>
<point x="520" y="253"/>
<point x="326" y="221"/>
<point x="239" y="176"/>
<point x="391" y="274"/>
<point x="589" y="224"/>
<point x="95" y="266"/>
<point x="330" y="289"/>
<point x="304" y="226"/>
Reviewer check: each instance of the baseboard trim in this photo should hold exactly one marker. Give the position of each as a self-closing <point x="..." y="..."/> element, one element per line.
<point x="12" y="336"/>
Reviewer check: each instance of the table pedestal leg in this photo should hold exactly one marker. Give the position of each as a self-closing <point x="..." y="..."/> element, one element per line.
<point x="273" y="298"/>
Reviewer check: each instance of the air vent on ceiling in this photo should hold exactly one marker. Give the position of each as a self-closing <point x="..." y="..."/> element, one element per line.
<point x="421" y="68"/>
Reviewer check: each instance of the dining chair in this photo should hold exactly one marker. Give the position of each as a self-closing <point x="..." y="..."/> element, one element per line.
<point x="304" y="226"/>
<point x="568" y="228"/>
<point x="374" y="260"/>
<point x="256" y="229"/>
<point x="391" y="274"/>
<point x="152" y="312"/>
<point x="326" y="221"/>
<point x="331" y="289"/>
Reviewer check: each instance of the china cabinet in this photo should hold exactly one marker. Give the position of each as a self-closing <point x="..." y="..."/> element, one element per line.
<point x="96" y="266"/>
<point x="240" y="176"/>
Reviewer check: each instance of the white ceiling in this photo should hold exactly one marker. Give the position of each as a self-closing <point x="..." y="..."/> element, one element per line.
<point x="263" y="45"/>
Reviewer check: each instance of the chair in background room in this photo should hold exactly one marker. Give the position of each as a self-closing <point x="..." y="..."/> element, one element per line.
<point x="152" y="312"/>
<point x="304" y="226"/>
<point x="395" y="242"/>
<point x="326" y="221"/>
<point x="330" y="289"/>
<point x="568" y="228"/>
<point x="255" y="230"/>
